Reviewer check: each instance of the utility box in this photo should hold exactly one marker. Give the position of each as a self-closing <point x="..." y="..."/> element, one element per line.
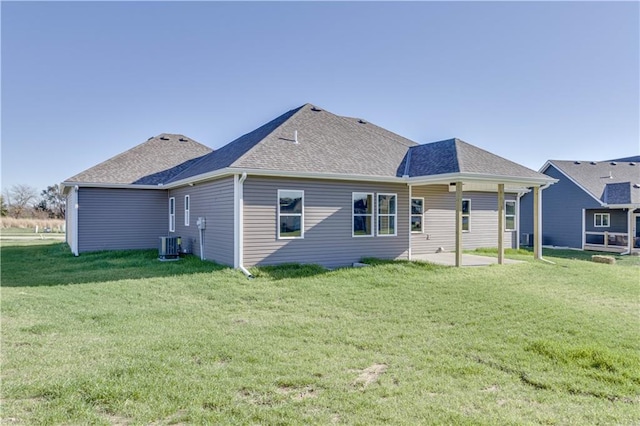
<point x="526" y="240"/>
<point x="169" y="248"/>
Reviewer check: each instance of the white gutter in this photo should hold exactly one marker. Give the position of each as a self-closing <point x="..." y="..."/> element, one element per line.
<point x="238" y="224"/>
<point x="110" y="185"/>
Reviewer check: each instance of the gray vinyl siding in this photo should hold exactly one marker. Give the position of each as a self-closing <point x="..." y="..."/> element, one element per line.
<point x="119" y="219"/>
<point x="328" y="237"/>
<point x="439" y="220"/>
<point x="562" y="205"/>
<point x="214" y="202"/>
<point x="617" y="221"/>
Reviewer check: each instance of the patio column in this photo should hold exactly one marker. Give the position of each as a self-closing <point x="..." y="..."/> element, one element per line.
<point x="630" y="233"/>
<point x="537" y="224"/>
<point x="458" y="223"/>
<point x="500" y="223"/>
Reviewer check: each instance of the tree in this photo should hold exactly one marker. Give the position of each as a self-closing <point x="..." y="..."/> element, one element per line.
<point x="20" y="199"/>
<point x="3" y="206"/>
<point x="53" y="201"/>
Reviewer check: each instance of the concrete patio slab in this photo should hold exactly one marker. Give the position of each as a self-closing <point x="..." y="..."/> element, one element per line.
<point x="449" y="259"/>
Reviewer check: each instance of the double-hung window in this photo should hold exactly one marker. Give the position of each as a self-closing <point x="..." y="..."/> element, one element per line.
<point x="466" y="214"/>
<point x="290" y="214"/>
<point x="509" y="215"/>
<point x="387" y="212"/>
<point x="172" y="214"/>
<point x="601" y="220"/>
<point x="417" y="214"/>
<point x="187" y="208"/>
<point x="362" y="208"/>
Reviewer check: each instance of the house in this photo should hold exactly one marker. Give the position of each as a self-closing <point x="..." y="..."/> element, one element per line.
<point x="594" y="206"/>
<point x="309" y="187"/>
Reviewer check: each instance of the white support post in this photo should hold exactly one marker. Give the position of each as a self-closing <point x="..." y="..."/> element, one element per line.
<point x="630" y="233"/>
<point x="501" y="223"/>
<point x="410" y="242"/>
<point x="458" y="223"/>
<point x="537" y="223"/>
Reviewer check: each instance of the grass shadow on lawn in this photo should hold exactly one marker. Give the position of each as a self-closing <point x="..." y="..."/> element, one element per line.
<point x="53" y="264"/>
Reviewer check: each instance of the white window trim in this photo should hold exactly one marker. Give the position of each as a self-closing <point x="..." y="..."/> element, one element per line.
<point x="468" y="215"/>
<point x="378" y="215"/>
<point x="172" y="214"/>
<point x="411" y="215"/>
<point x="372" y="214"/>
<point x="187" y="209"/>
<point x="514" y="215"/>
<point x="301" y="214"/>
<point x="603" y="215"/>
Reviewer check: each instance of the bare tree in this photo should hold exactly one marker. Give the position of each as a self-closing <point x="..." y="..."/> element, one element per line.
<point x="19" y="199"/>
<point x="3" y="206"/>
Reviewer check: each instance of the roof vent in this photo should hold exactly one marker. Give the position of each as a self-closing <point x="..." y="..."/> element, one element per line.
<point x="593" y="162"/>
<point x="613" y="163"/>
<point x="315" y="109"/>
<point x="632" y="164"/>
<point x="150" y="138"/>
<point x="635" y="185"/>
<point x="164" y="138"/>
<point x="182" y="140"/>
<point x="576" y="162"/>
<point x="361" y="121"/>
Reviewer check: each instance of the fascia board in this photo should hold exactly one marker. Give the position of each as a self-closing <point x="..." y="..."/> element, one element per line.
<point x="68" y="184"/>
<point x="478" y="177"/>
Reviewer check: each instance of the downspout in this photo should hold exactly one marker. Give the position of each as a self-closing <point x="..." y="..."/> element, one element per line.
<point x="239" y="225"/>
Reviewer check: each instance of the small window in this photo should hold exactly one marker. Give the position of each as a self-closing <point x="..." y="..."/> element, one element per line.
<point x="601" y="220"/>
<point x="509" y="215"/>
<point x="417" y="214"/>
<point x="290" y="214"/>
<point x="466" y="214"/>
<point x="172" y="214"/>
<point x="362" y="203"/>
<point x="187" y="201"/>
<point x="387" y="214"/>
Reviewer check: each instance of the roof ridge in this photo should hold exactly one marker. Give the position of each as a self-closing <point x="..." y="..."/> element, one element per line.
<point x="373" y="130"/>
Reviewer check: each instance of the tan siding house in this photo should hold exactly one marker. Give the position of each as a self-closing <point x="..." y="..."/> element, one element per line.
<point x="307" y="187"/>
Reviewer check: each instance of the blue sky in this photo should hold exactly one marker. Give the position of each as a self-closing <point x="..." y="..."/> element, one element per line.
<point x="531" y="81"/>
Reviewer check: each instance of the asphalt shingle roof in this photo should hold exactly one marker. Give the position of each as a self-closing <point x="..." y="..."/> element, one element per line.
<point x="612" y="182"/>
<point x="456" y="156"/>
<point x="306" y="139"/>
<point x="150" y="163"/>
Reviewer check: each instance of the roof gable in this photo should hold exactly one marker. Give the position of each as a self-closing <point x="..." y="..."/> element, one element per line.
<point x="149" y="163"/>
<point x="601" y="179"/>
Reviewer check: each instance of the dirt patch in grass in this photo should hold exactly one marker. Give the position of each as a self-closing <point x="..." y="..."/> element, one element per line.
<point x="369" y="375"/>
<point x="297" y="393"/>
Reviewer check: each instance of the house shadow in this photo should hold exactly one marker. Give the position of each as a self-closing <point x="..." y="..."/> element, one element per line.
<point x="53" y="265"/>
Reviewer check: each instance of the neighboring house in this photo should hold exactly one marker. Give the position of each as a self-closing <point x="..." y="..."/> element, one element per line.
<point x="307" y="187"/>
<point x="594" y="206"/>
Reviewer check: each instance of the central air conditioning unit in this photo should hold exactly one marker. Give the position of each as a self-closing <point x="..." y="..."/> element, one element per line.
<point x="169" y="248"/>
<point x="526" y="240"/>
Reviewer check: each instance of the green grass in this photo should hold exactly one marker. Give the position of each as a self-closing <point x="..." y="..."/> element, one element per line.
<point x="120" y="338"/>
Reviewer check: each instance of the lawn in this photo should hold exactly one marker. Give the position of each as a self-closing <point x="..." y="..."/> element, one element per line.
<point x="121" y="338"/>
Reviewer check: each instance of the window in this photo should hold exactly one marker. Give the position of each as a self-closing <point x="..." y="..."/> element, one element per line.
<point x="186" y="210"/>
<point x="290" y="214"/>
<point x="466" y="214"/>
<point x="601" y="220"/>
<point x="362" y="203"/>
<point x="172" y="214"/>
<point x="387" y="214"/>
<point x="417" y="214"/>
<point x="509" y="215"/>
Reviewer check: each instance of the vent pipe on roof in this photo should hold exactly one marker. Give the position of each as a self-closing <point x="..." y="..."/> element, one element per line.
<point x="295" y="137"/>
